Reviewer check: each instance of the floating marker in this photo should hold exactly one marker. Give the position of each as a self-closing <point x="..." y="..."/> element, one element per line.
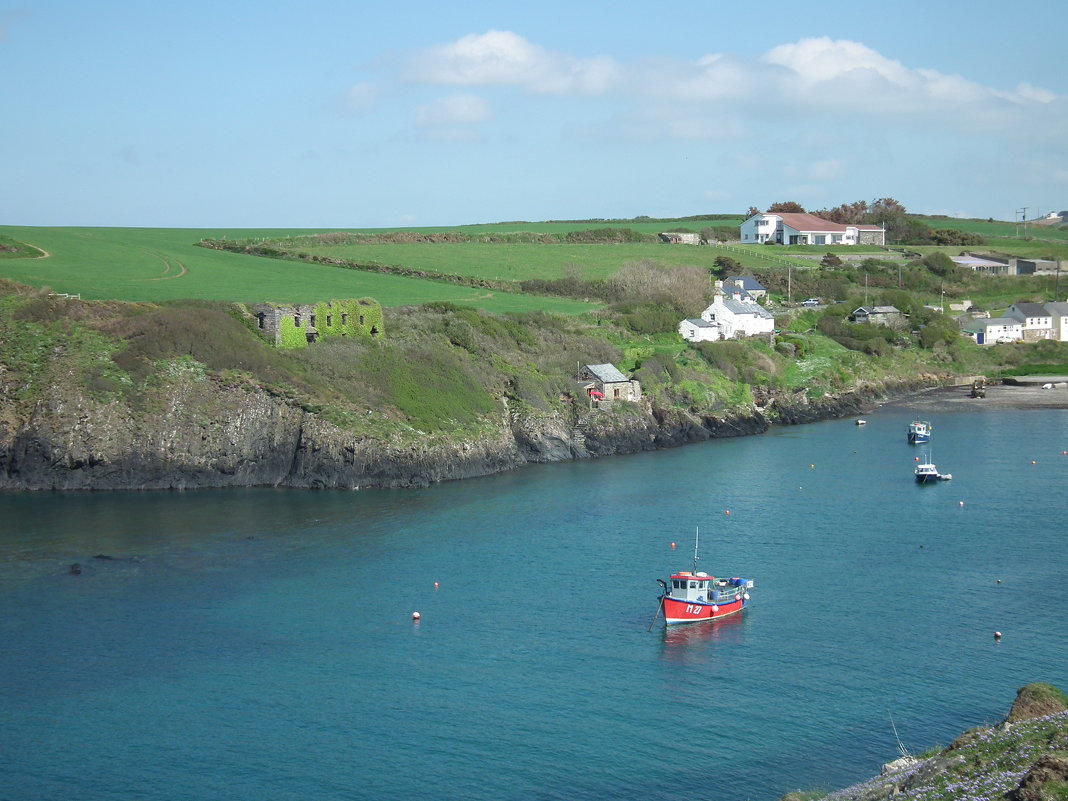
<point x="435" y="585"/>
<point x="999" y="581"/>
<point x="960" y="503"/>
<point x="1032" y="461"/>
<point x="415" y="615"/>
<point x="811" y="466"/>
<point x="997" y="635"/>
<point x="672" y="546"/>
<point x="915" y="458"/>
<point x="726" y="511"/>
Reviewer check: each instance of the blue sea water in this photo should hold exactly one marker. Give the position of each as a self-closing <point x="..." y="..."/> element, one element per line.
<point x="259" y="644"/>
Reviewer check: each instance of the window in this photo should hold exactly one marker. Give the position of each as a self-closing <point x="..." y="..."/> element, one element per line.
<point x="329" y="320"/>
<point x="361" y="319"/>
<point x="344" y="318"/>
<point x="311" y="322"/>
<point x="296" y="320"/>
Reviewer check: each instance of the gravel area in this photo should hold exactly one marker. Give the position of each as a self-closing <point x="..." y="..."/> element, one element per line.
<point x="998" y="397"/>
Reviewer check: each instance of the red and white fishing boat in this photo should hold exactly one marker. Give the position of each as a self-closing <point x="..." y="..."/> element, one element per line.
<point x="690" y="596"/>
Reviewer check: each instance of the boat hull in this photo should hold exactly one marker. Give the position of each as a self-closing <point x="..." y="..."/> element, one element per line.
<point x="676" y="611"/>
<point x="917" y="439"/>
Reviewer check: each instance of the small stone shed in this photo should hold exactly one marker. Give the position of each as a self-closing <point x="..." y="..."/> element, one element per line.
<point x="299" y="325"/>
<point x="604" y="382"/>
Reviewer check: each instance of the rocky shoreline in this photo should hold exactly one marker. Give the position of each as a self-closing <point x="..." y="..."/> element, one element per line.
<point x="207" y="435"/>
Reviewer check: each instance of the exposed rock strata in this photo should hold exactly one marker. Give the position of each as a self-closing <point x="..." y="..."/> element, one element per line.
<point x="206" y="435"/>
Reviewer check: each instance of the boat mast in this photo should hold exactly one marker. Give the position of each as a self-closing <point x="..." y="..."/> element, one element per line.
<point x="696" y="540"/>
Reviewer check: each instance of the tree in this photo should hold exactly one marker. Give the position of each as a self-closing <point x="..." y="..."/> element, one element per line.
<point x="787" y="207"/>
<point x="831" y="261"/>
<point x="753" y="212"/>
<point x="724" y="266"/>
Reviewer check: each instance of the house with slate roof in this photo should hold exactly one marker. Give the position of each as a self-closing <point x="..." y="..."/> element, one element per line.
<point x="733" y="316"/>
<point x="605" y="383"/>
<point x="807" y="229"/>
<point x="890" y="316"/>
<point x="1058" y="312"/>
<point x="697" y="329"/>
<point x="1037" y="321"/>
<point x="993" y="330"/>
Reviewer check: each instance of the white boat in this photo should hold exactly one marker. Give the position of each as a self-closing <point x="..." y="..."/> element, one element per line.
<point x="927" y="473"/>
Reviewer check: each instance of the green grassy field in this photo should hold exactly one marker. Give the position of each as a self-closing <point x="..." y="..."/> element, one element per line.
<point x="159" y="264"/>
<point x="514" y="262"/>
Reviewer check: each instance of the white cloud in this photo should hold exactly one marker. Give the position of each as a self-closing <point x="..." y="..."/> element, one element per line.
<point x="814" y="83"/>
<point x="504" y="58"/>
<point x="820" y="60"/>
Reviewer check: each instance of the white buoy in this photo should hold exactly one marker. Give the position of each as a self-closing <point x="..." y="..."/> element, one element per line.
<point x="997" y="635"/>
<point x="415" y="615"/>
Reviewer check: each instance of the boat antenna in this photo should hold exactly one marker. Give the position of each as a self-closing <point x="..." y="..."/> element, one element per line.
<point x="696" y="540"/>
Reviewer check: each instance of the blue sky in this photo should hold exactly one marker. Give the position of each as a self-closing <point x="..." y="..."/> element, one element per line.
<point x="332" y="114"/>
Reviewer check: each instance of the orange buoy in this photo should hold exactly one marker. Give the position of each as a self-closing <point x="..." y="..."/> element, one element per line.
<point x="435" y="585"/>
<point x="415" y="615"/>
<point x="672" y="546"/>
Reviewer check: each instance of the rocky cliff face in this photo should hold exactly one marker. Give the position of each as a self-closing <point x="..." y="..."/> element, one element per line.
<point x="202" y="434"/>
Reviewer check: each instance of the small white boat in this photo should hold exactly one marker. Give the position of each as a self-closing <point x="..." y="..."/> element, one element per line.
<point x="862" y="422"/>
<point x="927" y="473"/>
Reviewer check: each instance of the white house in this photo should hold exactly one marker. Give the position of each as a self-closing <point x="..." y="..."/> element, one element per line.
<point x="807" y="229"/>
<point x="993" y="330"/>
<point x="1037" y="321"/>
<point x="1059" y="316"/>
<point x="739" y="318"/>
<point x="699" y="330"/>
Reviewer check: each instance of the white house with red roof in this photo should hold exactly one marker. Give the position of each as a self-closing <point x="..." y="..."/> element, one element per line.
<point x="807" y="229"/>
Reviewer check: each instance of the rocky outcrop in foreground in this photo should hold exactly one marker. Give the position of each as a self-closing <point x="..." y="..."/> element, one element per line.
<point x="200" y="434"/>
<point x="1023" y="758"/>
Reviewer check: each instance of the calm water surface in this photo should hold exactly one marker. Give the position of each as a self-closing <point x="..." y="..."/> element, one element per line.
<point x="258" y="644"/>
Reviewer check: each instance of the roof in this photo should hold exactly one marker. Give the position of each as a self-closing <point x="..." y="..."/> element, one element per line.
<point x="743" y="307"/>
<point x="878" y="310"/>
<point x="1057" y="308"/>
<point x="606" y="373"/>
<point x="700" y="322"/>
<point x="981" y="324"/>
<point x="746" y="282"/>
<point x="811" y="223"/>
<point x="1031" y="309"/>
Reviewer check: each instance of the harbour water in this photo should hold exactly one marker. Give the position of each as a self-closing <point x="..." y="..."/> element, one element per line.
<point x="259" y="644"/>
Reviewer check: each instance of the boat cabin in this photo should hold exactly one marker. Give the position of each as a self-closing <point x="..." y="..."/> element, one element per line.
<point x="689" y="586"/>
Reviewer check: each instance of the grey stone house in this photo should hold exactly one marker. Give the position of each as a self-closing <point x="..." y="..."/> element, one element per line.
<point x="605" y="383"/>
<point x="890" y="316"/>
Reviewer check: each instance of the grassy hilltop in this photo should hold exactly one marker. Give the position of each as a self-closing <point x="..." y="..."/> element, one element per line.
<point x="485" y="313"/>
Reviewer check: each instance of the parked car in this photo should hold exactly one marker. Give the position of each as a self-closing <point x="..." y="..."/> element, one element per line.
<point x="811" y="302"/>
